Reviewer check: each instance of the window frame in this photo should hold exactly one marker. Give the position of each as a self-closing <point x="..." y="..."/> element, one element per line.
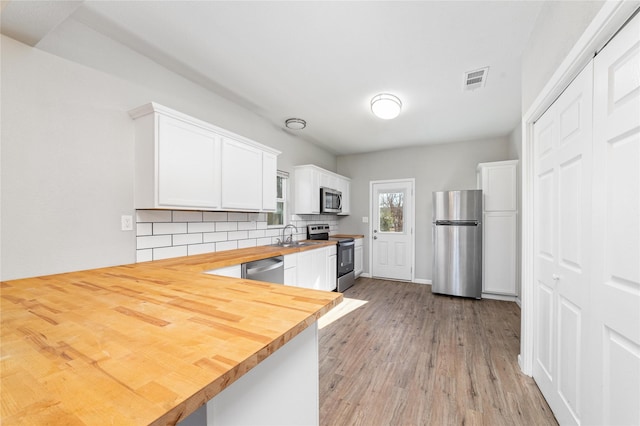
<point x="284" y="176"/>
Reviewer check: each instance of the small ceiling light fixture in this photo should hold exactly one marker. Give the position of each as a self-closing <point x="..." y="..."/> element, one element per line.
<point x="386" y="106"/>
<point x="295" y="123"/>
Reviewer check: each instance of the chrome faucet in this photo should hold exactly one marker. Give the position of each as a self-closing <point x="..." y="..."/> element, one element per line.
<point x="290" y="239"/>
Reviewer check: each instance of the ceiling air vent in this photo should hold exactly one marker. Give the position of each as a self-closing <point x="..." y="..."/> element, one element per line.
<point x="475" y="79"/>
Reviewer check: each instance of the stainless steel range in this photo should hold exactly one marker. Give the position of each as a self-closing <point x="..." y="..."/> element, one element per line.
<point x="345" y="248"/>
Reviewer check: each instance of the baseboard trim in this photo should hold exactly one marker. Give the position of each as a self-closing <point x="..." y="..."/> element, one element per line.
<point x="422" y="281"/>
<point x="500" y="297"/>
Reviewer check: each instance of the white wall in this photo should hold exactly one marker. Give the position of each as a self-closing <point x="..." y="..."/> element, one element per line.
<point x="67" y="149"/>
<point x="434" y="167"/>
<point x="557" y="28"/>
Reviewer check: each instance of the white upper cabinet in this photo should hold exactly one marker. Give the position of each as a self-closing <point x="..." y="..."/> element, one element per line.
<point x="308" y="180"/>
<point x="241" y="176"/>
<point x="185" y="163"/>
<point x="498" y="183"/>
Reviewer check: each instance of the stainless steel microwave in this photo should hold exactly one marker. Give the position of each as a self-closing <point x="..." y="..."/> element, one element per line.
<point x="330" y="200"/>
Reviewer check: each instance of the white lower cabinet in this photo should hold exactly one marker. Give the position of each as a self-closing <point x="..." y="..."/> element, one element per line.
<point x="291" y="269"/>
<point x="234" y="271"/>
<point x="499" y="253"/>
<point x="331" y="280"/>
<point x="317" y="268"/>
<point x="358" y="265"/>
<point x="280" y="390"/>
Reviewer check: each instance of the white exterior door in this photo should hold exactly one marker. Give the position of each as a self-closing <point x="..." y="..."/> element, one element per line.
<point x="614" y="380"/>
<point x="392" y="229"/>
<point x="562" y="187"/>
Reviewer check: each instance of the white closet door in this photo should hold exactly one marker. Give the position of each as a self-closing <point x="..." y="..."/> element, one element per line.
<point x="614" y="397"/>
<point x="563" y="141"/>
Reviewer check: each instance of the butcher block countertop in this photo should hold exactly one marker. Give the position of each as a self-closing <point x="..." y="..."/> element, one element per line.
<point x="140" y="344"/>
<point x="348" y="236"/>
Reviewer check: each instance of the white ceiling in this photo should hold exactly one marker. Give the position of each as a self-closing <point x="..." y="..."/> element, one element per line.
<point x="323" y="61"/>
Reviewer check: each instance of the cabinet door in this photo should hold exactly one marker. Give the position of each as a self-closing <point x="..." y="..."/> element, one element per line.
<point x="499" y="187"/>
<point x="187" y="165"/>
<point x="241" y="176"/>
<point x="307" y="191"/>
<point x="359" y="258"/>
<point x="331" y="277"/>
<point x="499" y="253"/>
<point x="311" y="269"/>
<point x="290" y="269"/>
<point x="269" y="184"/>
<point x="234" y="271"/>
<point x="344" y="186"/>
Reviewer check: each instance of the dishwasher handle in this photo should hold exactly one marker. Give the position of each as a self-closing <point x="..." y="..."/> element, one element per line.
<point x="274" y="265"/>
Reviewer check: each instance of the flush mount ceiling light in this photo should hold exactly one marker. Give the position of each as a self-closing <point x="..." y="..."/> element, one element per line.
<point x="295" y="123"/>
<point x="386" y="106"/>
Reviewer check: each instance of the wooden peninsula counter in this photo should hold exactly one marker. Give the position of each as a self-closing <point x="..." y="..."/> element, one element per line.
<point x="150" y="343"/>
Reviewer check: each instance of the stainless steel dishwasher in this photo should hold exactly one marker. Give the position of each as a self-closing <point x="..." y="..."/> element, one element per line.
<point x="270" y="270"/>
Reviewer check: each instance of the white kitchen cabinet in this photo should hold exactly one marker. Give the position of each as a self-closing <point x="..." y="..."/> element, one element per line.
<point x="498" y="181"/>
<point x="233" y="271"/>
<point x="358" y="266"/>
<point x="317" y="268"/>
<point x="241" y="176"/>
<point x="290" y="269"/>
<point x="331" y="277"/>
<point x="185" y="163"/>
<point x="269" y="181"/>
<point x="499" y="252"/>
<point x="344" y="186"/>
<point x="308" y="179"/>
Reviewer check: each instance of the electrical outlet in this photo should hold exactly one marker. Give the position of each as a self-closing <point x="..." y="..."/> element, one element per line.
<point x="365" y="219"/>
<point x="126" y="222"/>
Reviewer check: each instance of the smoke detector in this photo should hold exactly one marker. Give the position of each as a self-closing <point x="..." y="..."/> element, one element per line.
<point x="475" y="79"/>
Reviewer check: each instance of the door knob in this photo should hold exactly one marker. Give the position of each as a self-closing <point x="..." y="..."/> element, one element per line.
<point x="375" y="231"/>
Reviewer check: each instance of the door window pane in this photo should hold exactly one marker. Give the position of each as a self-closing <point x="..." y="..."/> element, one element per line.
<point x="391" y="211"/>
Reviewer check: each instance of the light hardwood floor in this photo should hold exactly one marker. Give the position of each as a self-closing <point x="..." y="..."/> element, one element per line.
<point x="408" y="357"/>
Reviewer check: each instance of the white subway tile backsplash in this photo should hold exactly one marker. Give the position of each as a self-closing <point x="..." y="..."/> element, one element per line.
<point x="238" y="235"/>
<point x="201" y="227"/>
<point x="187" y="216"/>
<point x="184" y="239"/>
<point x="214" y="237"/>
<point x="260" y="233"/>
<point x="214" y="216"/>
<point x="169" y="228"/>
<point x="153" y="241"/>
<point x="237" y="217"/>
<point x="201" y="248"/>
<point x="169" y="252"/>
<point x="247" y="225"/>
<point x="165" y="233"/>
<point x="153" y="216"/>
<point x="144" y="229"/>
<point x="144" y="255"/>
<point x="226" y="226"/>
<point x="226" y="245"/>
<point x="264" y="241"/>
<point x="246" y="243"/>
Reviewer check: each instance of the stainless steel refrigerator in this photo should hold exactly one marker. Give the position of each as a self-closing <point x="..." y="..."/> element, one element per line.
<point x="457" y="243"/>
